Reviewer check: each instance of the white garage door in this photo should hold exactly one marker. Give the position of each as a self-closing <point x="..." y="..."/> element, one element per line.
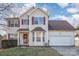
<point x="61" y="39"/>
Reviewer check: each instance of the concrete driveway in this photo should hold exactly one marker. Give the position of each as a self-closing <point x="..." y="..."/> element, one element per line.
<point x="67" y="51"/>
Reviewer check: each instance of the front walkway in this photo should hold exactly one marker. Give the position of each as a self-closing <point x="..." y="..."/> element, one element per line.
<point x="67" y="51"/>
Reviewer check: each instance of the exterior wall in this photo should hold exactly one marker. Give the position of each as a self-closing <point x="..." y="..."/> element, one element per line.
<point x="32" y="12"/>
<point x="12" y="30"/>
<point x="48" y="34"/>
<point x="35" y="43"/>
<point x="61" y="38"/>
<point x="31" y="27"/>
<point x="20" y="37"/>
<point x="24" y="26"/>
<point x="25" y="16"/>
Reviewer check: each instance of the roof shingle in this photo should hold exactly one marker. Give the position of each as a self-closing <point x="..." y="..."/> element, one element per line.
<point x="59" y="25"/>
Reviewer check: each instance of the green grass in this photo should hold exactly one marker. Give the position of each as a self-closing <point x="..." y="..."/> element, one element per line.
<point x="32" y="51"/>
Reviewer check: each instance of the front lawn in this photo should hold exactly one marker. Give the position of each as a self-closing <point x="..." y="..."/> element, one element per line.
<point x="31" y="51"/>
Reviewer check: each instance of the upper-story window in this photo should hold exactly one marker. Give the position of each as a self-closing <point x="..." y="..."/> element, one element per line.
<point x="25" y="22"/>
<point x="17" y="23"/>
<point x="38" y="20"/>
<point x="13" y="23"/>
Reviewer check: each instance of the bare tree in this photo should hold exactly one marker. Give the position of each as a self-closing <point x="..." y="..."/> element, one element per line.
<point x="5" y="8"/>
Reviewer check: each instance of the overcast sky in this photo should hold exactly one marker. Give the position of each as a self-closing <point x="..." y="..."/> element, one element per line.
<point x="56" y="11"/>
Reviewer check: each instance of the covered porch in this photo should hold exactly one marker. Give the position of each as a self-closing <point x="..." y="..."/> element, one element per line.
<point x="23" y="37"/>
<point x="38" y="37"/>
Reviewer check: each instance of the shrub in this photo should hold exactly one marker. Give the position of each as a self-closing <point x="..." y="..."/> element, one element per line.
<point x="9" y="43"/>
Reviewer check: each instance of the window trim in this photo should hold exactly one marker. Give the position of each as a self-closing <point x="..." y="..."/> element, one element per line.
<point x="38" y="39"/>
<point x="13" y="23"/>
<point x="25" y="20"/>
<point x="43" y="36"/>
<point x="33" y="38"/>
<point x="38" y="20"/>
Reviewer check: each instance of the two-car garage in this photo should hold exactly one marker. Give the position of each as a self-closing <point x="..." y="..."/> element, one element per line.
<point x="61" y="33"/>
<point x="61" y="38"/>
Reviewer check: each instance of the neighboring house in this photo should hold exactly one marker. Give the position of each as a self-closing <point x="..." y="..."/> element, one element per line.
<point x="76" y="33"/>
<point x="33" y="28"/>
<point x="0" y="40"/>
<point x="77" y="38"/>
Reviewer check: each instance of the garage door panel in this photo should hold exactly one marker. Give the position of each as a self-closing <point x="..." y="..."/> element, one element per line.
<point x="61" y="38"/>
<point x="61" y="41"/>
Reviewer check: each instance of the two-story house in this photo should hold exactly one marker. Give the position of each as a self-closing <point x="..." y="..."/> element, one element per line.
<point x="33" y="28"/>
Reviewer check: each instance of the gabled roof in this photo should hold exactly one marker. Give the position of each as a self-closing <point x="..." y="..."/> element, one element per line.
<point x="59" y="25"/>
<point x="40" y="10"/>
<point x="27" y="11"/>
<point x="38" y="29"/>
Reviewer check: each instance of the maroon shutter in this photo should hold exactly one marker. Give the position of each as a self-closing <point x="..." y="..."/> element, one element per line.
<point x="32" y="20"/>
<point x="22" y="21"/>
<point x="8" y="36"/>
<point x="44" y="20"/>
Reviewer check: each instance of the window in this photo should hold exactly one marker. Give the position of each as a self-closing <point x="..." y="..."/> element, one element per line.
<point x="13" y="23"/>
<point x="41" y="21"/>
<point x="25" y="22"/>
<point x="38" y="20"/>
<point x="38" y="36"/>
<point x="38" y="39"/>
<point x="35" y="20"/>
<point x="43" y="36"/>
<point x="17" y="24"/>
<point x="33" y="36"/>
<point x="33" y="39"/>
<point x="43" y="39"/>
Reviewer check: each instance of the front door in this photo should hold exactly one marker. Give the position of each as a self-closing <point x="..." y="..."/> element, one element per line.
<point x="25" y="38"/>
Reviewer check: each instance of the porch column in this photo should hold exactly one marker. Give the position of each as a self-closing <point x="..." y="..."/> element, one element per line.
<point x="18" y="39"/>
<point x="46" y="38"/>
<point x="30" y="39"/>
